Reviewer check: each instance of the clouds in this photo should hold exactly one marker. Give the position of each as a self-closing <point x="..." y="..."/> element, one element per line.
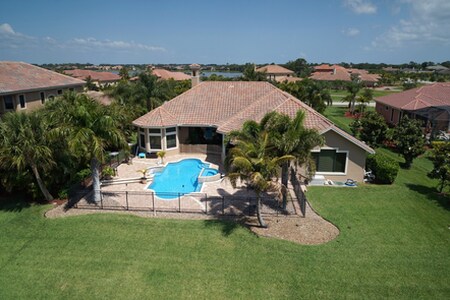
<point x="10" y="39"/>
<point x="427" y="22"/>
<point x="351" y="32"/>
<point x="360" y="6"/>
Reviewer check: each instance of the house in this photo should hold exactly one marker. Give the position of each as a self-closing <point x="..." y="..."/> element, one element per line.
<point x="278" y="73"/>
<point x="430" y="103"/>
<point x="165" y="75"/>
<point x="99" y="78"/>
<point x="26" y="87"/>
<point x="326" y="72"/>
<point x="198" y="120"/>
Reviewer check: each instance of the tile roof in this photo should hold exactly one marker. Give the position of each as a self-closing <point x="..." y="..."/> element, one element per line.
<point x="288" y="79"/>
<point x="20" y="76"/>
<point x="336" y="72"/>
<point x="95" y="76"/>
<point x="434" y="95"/>
<point x="165" y="74"/>
<point x="227" y="105"/>
<point x="275" y="69"/>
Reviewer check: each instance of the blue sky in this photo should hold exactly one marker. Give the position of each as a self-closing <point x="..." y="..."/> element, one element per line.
<point x="229" y="31"/>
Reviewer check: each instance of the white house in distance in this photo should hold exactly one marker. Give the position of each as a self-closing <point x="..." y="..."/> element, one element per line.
<point x="197" y="121"/>
<point x="26" y="87"/>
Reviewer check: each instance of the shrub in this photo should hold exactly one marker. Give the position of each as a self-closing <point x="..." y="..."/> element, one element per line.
<point x="108" y="172"/>
<point x="383" y="167"/>
<point x="63" y="194"/>
<point x="83" y="174"/>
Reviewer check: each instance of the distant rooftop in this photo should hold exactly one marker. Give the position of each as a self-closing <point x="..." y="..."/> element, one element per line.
<point x="165" y="74"/>
<point x="95" y="76"/>
<point x="275" y="70"/>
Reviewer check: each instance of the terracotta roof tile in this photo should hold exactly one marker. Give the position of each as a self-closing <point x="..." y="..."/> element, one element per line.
<point x="275" y="69"/>
<point x="95" y="76"/>
<point x="434" y="95"/>
<point x="165" y="74"/>
<point x="227" y="105"/>
<point x="20" y="76"/>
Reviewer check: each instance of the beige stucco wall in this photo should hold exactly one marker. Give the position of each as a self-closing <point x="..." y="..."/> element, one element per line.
<point x="33" y="99"/>
<point x="356" y="157"/>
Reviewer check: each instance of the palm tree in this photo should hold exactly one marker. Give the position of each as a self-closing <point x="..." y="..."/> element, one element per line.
<point x="147" y="88"/>
<point x="365" y="98"/>
<point x="88" y="128"/>
<point x="24" y="145"/>
<point x="290" y="138"/>
<point x="252" y="161"/>
<point x="353" y="88"/>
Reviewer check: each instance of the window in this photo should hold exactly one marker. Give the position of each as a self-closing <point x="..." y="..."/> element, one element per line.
<point x="171" y="137"/>
<point x="142" y="141"/>
<point x="155" y="142"/>
<point x="386" y="107"/>
<point x="9" y="102"/>
<point x="154" y="136"/>
<point x="59" y="92"/>
<point x="51" y="97"/>
<point x="22" y="101"/>
<point x="42" y="97"/>
<point x="330" y="161"/>
<point x="71" y="89"/>
<point x="392" y="115"/>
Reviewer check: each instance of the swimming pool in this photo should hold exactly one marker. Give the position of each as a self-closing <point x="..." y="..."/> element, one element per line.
<point x="179" y="177"/>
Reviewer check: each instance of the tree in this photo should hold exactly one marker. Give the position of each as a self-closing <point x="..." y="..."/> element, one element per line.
<point x="88" y="129"/>
<point x="123" y="73"/>
<point x="90" y="85"/>
<point x="370" y="128"/>
<point x="299" y="66"/>
<point x="290" y="138"/>
<point x="364" y="99"/>
<point x="250" y="74"/>
<point x="440" y="156"/>
<point x="409" y="139"/>
<point x="353" y="88"/>
<point x="310" y="92"/>
<point x="24" y="145"/>
<point x="147" y="89"/>
<point x="251" y="161"/>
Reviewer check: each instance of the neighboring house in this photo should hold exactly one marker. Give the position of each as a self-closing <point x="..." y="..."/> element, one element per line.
<point x="165" y="75"/>
<point x="27" y="87"/>
<point x="99" y="78"/>
<point x="430" y="103"/>
<point x="326" y="72"/>
<point x="278" y="73"/>
<point x="198" y="120"/>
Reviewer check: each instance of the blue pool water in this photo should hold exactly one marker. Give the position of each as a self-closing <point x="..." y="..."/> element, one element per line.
<point x="180" y="177"/>
<point x="209" y="172"/>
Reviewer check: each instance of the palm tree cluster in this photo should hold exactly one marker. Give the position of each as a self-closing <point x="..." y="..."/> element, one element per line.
<point x="262" y="151"/>
<point x="56" y="142"/>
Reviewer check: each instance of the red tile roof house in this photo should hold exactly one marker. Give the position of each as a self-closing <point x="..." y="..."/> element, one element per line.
<point x="197" y="121"/>
<point x="430" y="103"/>
<point x="278" y="73"/>
<point x="100" y="78"/>
<point x="27" y="87"/>
<point x="165" y="75"/>
<point x="326" y="72"/>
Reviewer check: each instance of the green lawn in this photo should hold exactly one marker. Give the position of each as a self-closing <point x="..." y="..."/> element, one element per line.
<point x="394" y="242"/>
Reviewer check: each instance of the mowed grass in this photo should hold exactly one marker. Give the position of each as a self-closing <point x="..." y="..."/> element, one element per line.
<point x="338" y="95"/>
<point x="394" y="242"/>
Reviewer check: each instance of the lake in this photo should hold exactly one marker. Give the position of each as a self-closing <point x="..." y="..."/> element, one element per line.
<point x="224" y="74"/>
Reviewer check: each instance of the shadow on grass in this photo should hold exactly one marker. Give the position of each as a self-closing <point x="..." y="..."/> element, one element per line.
<point x="431" y="194"/>
<point x="13" y="203"/>
<point x="226" y="226"/>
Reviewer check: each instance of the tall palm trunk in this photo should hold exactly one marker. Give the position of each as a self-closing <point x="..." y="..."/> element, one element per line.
<point x="149" y="104"/>
<point x="258" y="213"/>
<point x="284" y="182"/>
<point x="41" y="184"/>
<point x="95" y="166"/>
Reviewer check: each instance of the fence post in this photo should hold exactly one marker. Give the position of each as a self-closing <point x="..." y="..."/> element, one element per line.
<point x="206" y="204"/>
<point x="126" y="198"/>
<point x="179" y="203"/>
<point x="223" y="205"/>
<point x="153" y="202"/>
<point x="101" y="199"/>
